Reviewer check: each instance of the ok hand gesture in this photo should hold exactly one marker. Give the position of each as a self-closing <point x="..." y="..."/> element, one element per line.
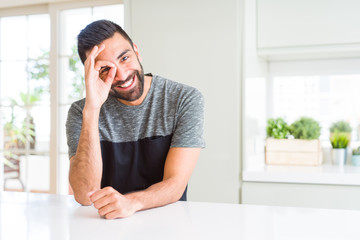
<point x="97" y="89"/>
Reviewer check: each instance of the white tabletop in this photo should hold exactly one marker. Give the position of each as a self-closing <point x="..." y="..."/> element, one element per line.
<point x="44" y="216"/>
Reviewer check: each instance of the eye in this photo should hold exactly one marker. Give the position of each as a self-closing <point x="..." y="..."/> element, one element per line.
<point x="124" y="58"/>
<point x="104" y="70"/>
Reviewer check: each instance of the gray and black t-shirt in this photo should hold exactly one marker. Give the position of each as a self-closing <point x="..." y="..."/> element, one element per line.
<point x="135" y="140"/>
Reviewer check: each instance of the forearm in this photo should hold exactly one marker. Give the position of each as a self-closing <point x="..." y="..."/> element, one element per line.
<point x="159" y="194"/>
<point x="179" y="165"/>
<point x="86" y="166"/>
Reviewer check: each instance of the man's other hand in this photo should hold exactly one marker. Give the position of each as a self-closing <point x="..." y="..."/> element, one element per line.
<point x="112" y="204"/>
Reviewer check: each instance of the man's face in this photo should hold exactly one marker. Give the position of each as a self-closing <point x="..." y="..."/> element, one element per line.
<point x="128" y="83"/>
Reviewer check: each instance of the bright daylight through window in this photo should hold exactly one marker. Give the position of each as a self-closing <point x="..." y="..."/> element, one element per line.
<point x="326" y="98"/>
<point x="25" y="100"/>
<point x="25" y="106"/>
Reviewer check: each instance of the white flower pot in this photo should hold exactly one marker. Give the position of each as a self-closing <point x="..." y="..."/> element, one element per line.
<point x="339" y="156"/>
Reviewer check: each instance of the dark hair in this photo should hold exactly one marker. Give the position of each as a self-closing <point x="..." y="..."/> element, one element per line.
<point x="95" y="33"/>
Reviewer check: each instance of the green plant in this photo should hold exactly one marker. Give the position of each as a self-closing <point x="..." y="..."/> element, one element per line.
<point x="339" y="140"/>
<point x="15" y="136"/>
<point x="40" y="66"/>
<point x="78" y="83"/>
<point x="30" y="98"/>
<point x="277" y="128"/>
<point x="305" y="128"/>
<point x="18" y="133"/>
<point x="340" y="126"/>
<point x="356" y="151"/>
<point x="39" y="84"/>
<point x="8" y="156"/>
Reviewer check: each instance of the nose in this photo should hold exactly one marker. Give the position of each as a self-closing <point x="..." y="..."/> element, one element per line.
<point x="121" y="73"/>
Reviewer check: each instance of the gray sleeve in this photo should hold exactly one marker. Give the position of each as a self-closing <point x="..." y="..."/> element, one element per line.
<point x="73" y="128"/>
<point x="189" y="126"/>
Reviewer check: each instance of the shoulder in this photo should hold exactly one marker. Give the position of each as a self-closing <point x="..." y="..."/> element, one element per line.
<point x="77" y="105"/>
<point x="176" y="88"/>
<point x="75" y="110"/>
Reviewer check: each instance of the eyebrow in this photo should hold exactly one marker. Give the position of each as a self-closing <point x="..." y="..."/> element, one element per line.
<point x="123" y="53"/>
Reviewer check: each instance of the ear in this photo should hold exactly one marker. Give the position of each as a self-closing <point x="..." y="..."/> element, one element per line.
<point x="137" y="52"/>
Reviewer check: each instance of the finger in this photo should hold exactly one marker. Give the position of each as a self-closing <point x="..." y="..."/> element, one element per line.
<point x="101" y="193"/>
<point x="90" y="60"/>
<point x="110" y="215"/>
<point x="111" y="75"/>
<point x="103" y="202"/>
<point x="93" y="54"/>
<point x="117" y="213"/>
<point x="103" y="63"/>
<point x="96" y="50"/>
<point x="101" y="47"/>
<point x="89" y="194"/>
<point x="109" y="199"/>
<point x="103" y="211"/>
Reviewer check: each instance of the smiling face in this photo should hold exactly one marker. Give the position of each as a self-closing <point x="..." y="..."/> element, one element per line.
<point x="128" y="84"/>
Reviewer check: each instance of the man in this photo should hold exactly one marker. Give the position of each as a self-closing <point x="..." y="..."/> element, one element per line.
<point x="135" y="139"/>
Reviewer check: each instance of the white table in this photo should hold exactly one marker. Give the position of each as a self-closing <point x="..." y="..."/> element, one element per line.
<point x="44" y="216"/>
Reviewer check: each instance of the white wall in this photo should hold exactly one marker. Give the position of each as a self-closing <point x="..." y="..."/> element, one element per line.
<point x="199" y="43"/>
<point x="255" y="90"/>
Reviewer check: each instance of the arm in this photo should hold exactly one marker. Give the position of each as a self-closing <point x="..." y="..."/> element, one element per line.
<point x="86" y="165"/>
<point x="179" y="166"/>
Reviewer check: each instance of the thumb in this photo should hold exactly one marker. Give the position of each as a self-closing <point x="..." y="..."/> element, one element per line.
<point x="89" y="194"/>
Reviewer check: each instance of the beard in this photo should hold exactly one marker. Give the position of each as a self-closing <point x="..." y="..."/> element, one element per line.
<point x="135" y="93"/>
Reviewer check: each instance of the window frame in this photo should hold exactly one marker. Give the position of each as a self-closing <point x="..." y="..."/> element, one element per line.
<point x="54" y="8"/>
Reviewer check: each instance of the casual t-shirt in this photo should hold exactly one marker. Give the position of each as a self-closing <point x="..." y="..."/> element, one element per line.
<point x="135" y="140"/>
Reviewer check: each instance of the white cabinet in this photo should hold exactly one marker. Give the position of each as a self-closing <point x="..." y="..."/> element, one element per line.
<point x="320" y="28"/>
<point x="301" y="195"/>
<point x="324" y="186"/>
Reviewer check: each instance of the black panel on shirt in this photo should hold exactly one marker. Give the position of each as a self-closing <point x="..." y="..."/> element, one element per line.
<point x="134" y="166"/>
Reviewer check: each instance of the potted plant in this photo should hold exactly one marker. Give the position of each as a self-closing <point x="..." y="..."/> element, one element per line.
<point x="277" y="128"/>
<point x="298" y="145"/>
<point x="305" y="128"/>
<point x="339" y="142"/>
<point x="355" y="158"/>
<point x="341" y="126"/>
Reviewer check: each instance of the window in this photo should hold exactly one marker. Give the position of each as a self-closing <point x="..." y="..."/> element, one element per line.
<point x="326" y="98"/>
<point x="25" y="106"/>
<point x="326" y="90"/>
<point x="27" y="96"/>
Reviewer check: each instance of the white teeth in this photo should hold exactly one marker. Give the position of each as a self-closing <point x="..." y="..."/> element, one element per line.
<point x="128" y="83"/>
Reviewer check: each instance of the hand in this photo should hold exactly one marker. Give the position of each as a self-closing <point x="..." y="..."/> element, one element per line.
<point x="112" y="204"/>
<point x="97" y="90"/>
